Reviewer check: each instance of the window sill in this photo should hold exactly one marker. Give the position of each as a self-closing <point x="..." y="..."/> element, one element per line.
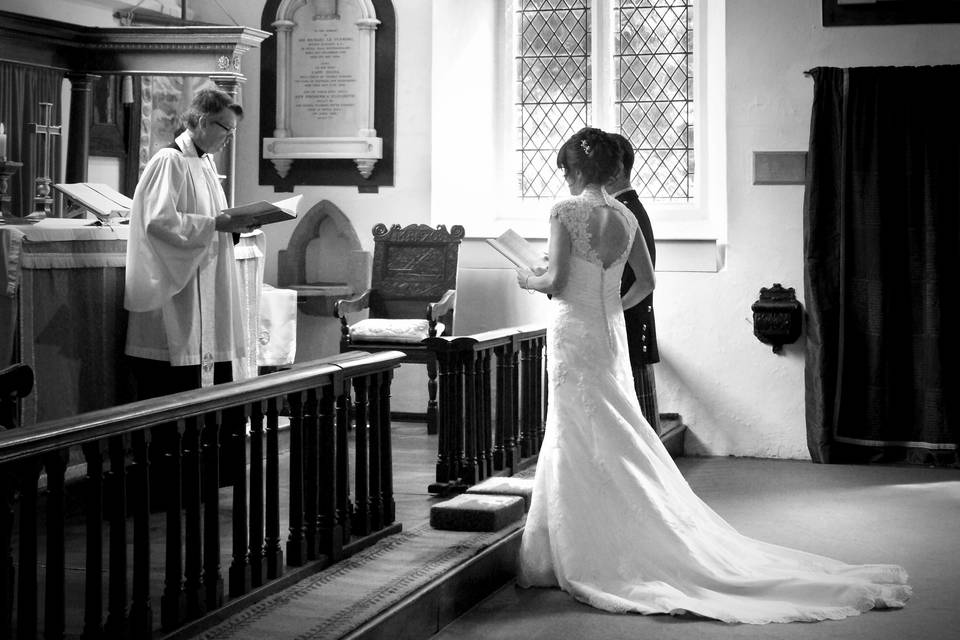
<point x="697" y="255"/>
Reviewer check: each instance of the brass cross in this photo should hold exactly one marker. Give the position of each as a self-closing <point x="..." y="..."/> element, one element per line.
<point x="47" y="130"/>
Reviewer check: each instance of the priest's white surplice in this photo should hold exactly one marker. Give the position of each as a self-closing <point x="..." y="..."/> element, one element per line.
<point x="181" y="282"/>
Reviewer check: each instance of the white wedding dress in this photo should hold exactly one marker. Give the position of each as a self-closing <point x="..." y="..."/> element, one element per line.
<point x="612" y="520"/>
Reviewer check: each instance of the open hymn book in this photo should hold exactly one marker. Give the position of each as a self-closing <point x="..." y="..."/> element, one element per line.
<point x="263" y="212"/>
<point x="517" y="250"/>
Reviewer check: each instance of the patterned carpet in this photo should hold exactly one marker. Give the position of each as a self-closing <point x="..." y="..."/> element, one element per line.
<point x="336" y="601"/>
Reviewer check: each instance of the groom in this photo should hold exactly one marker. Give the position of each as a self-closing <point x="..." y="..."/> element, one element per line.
<point x="641" y="330"/>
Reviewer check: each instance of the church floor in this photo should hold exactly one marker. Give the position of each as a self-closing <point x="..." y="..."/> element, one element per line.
<point x="904" y="515"/>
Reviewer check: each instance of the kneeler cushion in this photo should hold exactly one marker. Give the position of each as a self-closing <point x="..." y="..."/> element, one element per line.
<point x="506" y="486"/>
<point x="476" y="512"/>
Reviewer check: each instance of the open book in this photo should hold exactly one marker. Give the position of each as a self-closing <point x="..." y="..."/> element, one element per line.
<point x="106" y="203"/>
<point x="518" y="251"/>
<point x="263" y="212"/>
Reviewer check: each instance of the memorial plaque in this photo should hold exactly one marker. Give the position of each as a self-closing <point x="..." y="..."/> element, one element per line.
<point x="330" y="69"/>
<point x="325" y="84"/>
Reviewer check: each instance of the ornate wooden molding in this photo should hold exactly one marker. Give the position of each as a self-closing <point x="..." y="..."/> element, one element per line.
<point x="193" y="50"/>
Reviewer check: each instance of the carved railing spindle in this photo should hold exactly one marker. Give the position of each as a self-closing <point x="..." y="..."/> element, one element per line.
<point x="470" y="472"/>
<point x="173" y="604"/>
<point x="311" y="482"/>
<point x="296" y="543"/>
<point x="272" y="548"/>
<point x="210" y="486"/>
<point x="373" y="419"/>
<point x="93" y="510"/>
<point x="361" y="508"/>
<point x="459" y="420"/>
<point x="116" y="625"/>
<point x="258" y="569"/>
<point x="239" y="572"/>
<point x="538" y="395"/>
<point x="500" y="437"/>
<point x="484" y="418"/>
<point x="29" y="473"/>
<point x="7" y="573"/>
<point x="344" y="508"/>
<point x="386" y="451"/>
<point x="55" y="574"/>
<point x="432" y="409"/>
<point x="193" y="565"/>
<point x="445" y="419"/>
<point x="141" y="608"/>
<point x="329" y="531"/>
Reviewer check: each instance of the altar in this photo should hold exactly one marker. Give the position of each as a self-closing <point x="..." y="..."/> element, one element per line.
<point x="61" y="312"/>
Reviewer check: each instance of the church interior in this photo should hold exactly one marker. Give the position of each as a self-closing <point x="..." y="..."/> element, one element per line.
<point x="753" y="419"/>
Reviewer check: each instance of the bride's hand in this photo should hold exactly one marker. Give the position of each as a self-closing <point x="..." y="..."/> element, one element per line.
<point x="523" y="277"/>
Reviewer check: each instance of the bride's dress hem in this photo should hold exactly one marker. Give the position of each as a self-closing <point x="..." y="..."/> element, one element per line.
<point x="895" y="598"/>
<point x="613" y="522"/>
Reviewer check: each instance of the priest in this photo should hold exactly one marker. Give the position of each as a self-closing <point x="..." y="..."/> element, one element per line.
<point x="182" y="288"/>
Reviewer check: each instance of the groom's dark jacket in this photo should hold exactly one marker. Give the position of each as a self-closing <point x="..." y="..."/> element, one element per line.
<point x="641" y="329"/>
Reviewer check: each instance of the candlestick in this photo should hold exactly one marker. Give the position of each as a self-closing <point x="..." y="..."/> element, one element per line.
<point x="7" y="169"/>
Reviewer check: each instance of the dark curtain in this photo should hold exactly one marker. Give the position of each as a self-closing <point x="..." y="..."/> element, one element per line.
<point x="22" y="89"/>
<point x="882" y="262"/>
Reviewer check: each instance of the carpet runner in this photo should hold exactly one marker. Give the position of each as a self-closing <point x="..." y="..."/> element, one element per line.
<point x="339" y="599"/>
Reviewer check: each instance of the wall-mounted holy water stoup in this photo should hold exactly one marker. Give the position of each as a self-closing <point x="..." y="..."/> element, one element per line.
<point x="777" y="316"/>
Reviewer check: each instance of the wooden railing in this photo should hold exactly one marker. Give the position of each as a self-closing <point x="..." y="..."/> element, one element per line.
<point x="87" y="481"/>
<point x="489" y="424"/>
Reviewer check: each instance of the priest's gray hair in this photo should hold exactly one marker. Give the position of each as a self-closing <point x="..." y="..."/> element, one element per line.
<point x="207" y="102"/>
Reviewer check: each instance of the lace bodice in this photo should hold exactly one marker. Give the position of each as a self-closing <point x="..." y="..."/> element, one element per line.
<point x="586" y="315"/>
<point x="581" y="215"/>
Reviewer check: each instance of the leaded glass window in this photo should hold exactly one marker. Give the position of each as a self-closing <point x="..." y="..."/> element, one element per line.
<point x="655" y="94"/>
<point x="553" y="87"/>
<point x="650" y="68"/>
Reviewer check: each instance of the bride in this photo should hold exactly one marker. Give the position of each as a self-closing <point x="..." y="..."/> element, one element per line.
<point x="612" y="520"/>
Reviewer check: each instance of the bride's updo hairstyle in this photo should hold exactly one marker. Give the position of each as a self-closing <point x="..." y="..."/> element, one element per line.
<point x="593" y="153"/>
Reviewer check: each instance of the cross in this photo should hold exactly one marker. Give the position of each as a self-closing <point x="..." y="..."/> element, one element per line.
<point x="47" y="130"/>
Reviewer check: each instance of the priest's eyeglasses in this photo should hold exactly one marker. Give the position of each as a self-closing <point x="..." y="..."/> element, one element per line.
<point x="230" y="131"/>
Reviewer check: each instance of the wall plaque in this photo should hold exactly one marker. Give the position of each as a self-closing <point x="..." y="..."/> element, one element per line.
<point x="325" y="85"/>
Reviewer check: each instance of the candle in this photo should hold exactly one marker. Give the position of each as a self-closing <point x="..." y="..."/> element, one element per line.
<point x="3" y="143"/>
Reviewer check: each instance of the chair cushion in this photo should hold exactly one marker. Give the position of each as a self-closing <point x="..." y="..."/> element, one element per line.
<point x="385" y="330"/>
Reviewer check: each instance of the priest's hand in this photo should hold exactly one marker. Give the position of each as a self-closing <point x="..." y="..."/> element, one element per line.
<point x="226" y="224"/>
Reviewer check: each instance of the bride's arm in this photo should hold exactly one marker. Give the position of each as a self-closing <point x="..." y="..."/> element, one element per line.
<point x="558" y="266"/>
<point x="639" y="260"/>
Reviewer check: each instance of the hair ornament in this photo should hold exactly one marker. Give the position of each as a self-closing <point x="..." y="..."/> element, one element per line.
<point x="587" y="150"/>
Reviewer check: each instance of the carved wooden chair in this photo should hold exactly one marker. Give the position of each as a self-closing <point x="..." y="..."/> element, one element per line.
<point x="411" y="297"/>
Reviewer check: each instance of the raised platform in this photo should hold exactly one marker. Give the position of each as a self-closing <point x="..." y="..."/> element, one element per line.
<point x="408" y="585"/>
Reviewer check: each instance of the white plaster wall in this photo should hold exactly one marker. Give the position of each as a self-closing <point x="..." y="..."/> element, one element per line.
<point x="737" y="396"/>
